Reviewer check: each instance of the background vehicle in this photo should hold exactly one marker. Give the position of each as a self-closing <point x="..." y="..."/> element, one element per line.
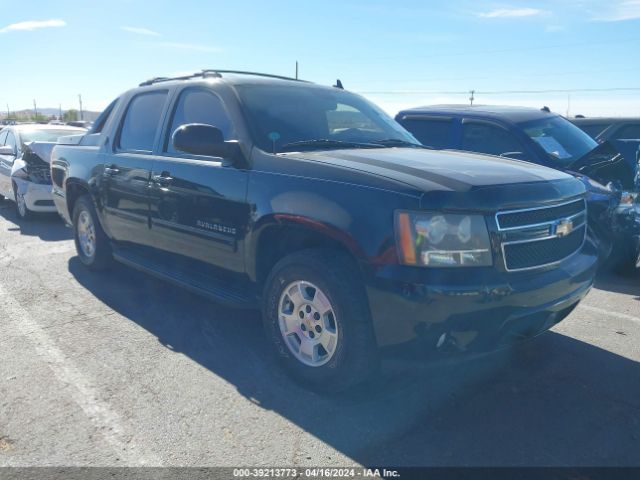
<point x="606" y="128"/>
<point x="545" y="138"/>
<point x="24" y="165"/>
<point x="260" y="191"/>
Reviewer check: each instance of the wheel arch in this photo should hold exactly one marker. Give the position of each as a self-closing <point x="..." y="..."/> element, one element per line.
<point x="285" y="235"/>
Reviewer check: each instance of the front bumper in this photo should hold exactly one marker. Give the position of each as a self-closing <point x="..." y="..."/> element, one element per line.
<point x="478" y="308"/>
<point x="37" y="196"/>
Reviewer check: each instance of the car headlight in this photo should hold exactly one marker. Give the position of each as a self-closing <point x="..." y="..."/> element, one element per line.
<point x="442" y="240"/>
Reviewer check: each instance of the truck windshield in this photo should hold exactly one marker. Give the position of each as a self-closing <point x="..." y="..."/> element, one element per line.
<point x="563" y="142"/>
<point x="293" y="118"/>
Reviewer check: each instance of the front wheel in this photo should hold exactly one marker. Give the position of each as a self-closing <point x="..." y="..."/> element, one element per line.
<point x="317" y="317"/>
<point x="21" y="206"/>
<point x="91" y="242"/>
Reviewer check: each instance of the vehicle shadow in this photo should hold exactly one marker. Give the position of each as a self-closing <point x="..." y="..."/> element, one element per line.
<point x="557" y="401"/>
<point x="626" y="284"/>
<point x="46" y="226"/>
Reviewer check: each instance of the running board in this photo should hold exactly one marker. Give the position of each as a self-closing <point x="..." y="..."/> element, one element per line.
<point x="210" y="288"/>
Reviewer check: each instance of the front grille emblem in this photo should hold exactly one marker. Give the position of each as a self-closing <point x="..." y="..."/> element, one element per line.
<point x="564" y="227"/>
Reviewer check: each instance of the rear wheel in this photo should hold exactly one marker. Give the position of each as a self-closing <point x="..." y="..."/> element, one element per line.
<point x="316" y="315"/>
<point x="91" y="242"/>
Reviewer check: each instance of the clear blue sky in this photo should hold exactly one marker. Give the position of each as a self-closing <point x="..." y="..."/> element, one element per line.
<point x="400" y="53"/>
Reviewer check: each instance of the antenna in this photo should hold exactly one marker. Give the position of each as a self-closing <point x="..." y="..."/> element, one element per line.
<point x="471" y="98"/>
<point x="339" y="84"/>
<point x="296" y="69"/>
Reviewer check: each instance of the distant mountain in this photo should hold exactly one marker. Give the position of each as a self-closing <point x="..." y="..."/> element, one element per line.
<point x="48" y="112"/>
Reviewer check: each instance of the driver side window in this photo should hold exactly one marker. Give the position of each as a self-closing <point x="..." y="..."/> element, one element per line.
<point x="485" y="138"/>
<point x="197" y="105"/>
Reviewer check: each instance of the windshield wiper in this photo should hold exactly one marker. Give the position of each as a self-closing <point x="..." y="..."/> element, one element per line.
<point x="396" y="142"/>
<point x="321" y="143"/>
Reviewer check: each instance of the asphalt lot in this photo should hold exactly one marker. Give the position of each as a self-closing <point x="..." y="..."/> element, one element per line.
<point x="117" y="368"/>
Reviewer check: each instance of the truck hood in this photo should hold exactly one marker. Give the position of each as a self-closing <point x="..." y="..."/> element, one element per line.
<point x="456" y="180"/>
<point x="438" y="169"/>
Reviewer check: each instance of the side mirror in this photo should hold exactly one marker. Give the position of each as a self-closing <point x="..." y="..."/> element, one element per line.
<point x="7" y="150"/>
<point x="201" y="139"/>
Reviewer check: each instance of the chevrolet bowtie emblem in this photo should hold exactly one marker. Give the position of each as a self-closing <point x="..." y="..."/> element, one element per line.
<point x="564" y="228"/>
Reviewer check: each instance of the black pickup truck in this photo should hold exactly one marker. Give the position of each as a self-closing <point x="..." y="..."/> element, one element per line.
<point x="312" y="204"/>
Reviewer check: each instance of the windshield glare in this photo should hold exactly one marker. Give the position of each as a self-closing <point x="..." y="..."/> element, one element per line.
<point x="560" y="139"/>
<point x="47" y="135"/>
<point x="279" y="116"/>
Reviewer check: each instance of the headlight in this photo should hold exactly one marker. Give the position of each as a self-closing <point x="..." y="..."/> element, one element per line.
<point x="442" y="240"/>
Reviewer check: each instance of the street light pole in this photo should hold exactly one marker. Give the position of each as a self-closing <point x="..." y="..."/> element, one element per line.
<point x="80" y="100"/>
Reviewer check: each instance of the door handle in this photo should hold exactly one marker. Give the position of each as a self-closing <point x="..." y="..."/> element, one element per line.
<point x="111" y="170"/>
<point x="162" y="180"/>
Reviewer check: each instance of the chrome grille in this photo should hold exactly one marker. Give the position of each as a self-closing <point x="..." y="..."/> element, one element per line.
<point x="538" y="237"/>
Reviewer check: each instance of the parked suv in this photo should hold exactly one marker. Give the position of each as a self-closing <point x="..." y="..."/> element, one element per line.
<point x="312" y="204"/>
<point x="602" y="129"/>
<point x="610" y="172"/>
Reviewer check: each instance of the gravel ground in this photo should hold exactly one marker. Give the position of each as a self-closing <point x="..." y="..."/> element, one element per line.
<point x="119" y="369"/>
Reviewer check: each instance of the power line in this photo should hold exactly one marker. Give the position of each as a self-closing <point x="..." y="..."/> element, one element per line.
<point x="496" y="92"/>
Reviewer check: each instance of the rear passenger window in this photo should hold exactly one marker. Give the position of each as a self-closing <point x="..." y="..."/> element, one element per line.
<point x="629" y="132"/>
<point x="485" y="138"/>
<point x="3" y="137"/>
<point x="433" y="133"/>
<point x="141" y="121"/>
<point x="199" y="106"/>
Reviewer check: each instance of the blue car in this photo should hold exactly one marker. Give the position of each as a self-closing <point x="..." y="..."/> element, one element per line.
<point x="610" y="171"/>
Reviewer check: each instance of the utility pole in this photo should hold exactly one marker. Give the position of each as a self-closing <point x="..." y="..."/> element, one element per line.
<point x="60" y="111"/>
<point x="296" y="69"/>
<point x="8" y="112"/>
<point x="80" y="100"/>
<point x="472" y="92"/>
<point x="35" y="109"/>
<point x="568" y="104"/>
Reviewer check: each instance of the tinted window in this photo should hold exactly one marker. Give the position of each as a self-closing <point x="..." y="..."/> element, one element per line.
<point x="485" y="138"/>
<point x="629" y="132"/>
<point x="199" y="106"/>
<point x="11" y="140"/>
<point x="593" y="129"/>
<point x="559" y="138"/>
<point x="345" y="117"/>
<point x="279" y="116"/>
<point x="141" y="121"/>
<point x="103" y="117"/>
<point x="431" y="132"/>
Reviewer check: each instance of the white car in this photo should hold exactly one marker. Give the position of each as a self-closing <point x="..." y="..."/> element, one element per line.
<point x="25" y="152"/>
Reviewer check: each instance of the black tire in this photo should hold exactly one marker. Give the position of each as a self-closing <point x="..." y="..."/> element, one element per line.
<point x="355" y="358"/>
<point x="23" y="212"/>
<point x="624" y="258"/>
<point x="102" y="256"/>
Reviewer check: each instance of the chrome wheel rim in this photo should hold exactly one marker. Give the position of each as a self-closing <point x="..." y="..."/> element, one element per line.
<point x="86" y="234"/>
<point x="22" y="204"/>
<point x="308" y="323"/>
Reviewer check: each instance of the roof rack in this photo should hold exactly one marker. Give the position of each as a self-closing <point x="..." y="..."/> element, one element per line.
<point x="216" y="74"/>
